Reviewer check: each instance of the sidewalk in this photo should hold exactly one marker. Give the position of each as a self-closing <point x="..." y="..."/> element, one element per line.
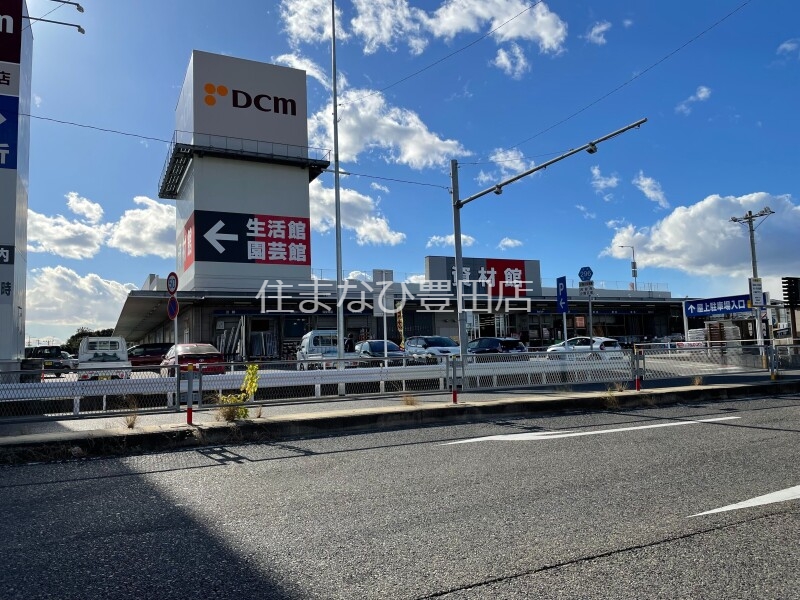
<point x="65" y="439"/>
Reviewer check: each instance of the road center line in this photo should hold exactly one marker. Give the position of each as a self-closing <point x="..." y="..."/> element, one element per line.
<point x="792" y="493"/>
<point x="552" y="435"/>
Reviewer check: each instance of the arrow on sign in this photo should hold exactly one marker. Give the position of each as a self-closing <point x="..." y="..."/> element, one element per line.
<point x="2" y="119"/>
<point x="214" y="236"/>
<point x="691" y="308"/>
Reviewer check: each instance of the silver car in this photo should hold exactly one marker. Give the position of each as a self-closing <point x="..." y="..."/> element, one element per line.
<point x="586" y="348"/>
<point x="431" y="348"/>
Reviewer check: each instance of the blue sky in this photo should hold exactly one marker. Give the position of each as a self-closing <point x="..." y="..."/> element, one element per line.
<point x="499" y="85"/>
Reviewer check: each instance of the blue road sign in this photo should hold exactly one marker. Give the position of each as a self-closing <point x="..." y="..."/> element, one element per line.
<point x="718" y="306"/>
<point x="9" y="130"/>
<point x="585" y="273"/>
<point x="172" y="308"/>
<point x="561" y="295"/>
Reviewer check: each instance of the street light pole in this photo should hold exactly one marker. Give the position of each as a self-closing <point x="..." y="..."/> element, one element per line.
<point x="590" y="147"/>
<point x="337" y="197"/>
<point x="634" y="270"/>
<point x="749" y="218"/>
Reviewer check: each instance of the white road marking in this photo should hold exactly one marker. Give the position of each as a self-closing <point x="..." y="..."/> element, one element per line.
<point x="792" y="493"/>
<point x="551" y="435"/>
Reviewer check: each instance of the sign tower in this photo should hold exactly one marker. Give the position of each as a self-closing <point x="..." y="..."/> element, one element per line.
<point x="16" y="58"/>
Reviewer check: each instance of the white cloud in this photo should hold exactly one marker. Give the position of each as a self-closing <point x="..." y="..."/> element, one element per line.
<point x="309" y="21"/>
<point x="146" y="231"/>
<point x="359" y="214"/>
<point x="379" y="188"/>
<point x="63" y="237"/>
<point x="368" y="124"/>
<point x="627" y="23"/>
<point x="84" y="207"/>
<point x="448" y="240"/>
<point x="380" y="22"/>
<point x="585" y="212"/>
<point x="600" y="183"/>
<point x="384" y="23"/>
<point x="416" y="278"/>
<point x="508" y="162"/>
<point x="701" y="240"/>
<point x="596" y="34"/>
<point x="512" y="61"/>
<point x="507" y="243"/>
<point x="651" y="189"/>
<point x="312" y="69"/>
<point x="60" y="297"/>
<point x="702" y="94"/>
<point x="791" y="46"/>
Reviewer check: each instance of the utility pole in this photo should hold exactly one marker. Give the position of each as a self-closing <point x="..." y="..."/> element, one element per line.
<point x="749" y="218"/>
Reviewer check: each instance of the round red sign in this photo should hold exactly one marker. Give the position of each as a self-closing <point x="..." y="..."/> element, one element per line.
<point x="172" y="282"/>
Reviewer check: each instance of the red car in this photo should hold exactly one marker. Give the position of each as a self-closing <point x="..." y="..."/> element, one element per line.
<point x="205" y="358"/>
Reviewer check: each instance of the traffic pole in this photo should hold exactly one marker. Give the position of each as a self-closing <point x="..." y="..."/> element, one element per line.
<point x="189" y="394"/>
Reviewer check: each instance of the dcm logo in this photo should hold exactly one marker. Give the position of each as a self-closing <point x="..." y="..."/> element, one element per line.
<point x="241" y="99"/>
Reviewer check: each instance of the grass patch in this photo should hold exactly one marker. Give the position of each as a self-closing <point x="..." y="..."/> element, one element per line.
<point x="410" y="400"/>
<point x="609" y="399"/>
<point x="131" y="418"/>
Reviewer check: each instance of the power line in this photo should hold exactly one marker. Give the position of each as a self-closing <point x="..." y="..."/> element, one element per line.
<point x="443" y="187"/>
<point x="635" y="77"/>
<point x="136" y="135"/>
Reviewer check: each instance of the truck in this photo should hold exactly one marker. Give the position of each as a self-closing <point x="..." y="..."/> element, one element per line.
<point x="318" y="349"/>
<point x="103" y="358"/>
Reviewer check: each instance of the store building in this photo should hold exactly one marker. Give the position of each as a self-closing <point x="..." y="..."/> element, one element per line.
<point x="238" y="170"/>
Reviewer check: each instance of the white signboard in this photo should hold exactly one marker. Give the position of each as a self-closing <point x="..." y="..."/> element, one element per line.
<point x="585" y="288"/>
<point x="756" y="291"/>
<point x="235" y="99"/>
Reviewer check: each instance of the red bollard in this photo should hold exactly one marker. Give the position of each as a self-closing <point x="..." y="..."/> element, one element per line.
<point x="189" y="386"/>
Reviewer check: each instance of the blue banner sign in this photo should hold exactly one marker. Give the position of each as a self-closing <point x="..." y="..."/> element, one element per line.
<point x="718" y="306"/>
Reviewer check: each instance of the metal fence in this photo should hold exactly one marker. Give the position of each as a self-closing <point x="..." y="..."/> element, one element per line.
<point x="46" y="395"/>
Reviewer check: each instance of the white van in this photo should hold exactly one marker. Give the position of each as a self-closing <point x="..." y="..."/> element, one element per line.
<point x="103" y="358"/>
<point x="319" y="349"/>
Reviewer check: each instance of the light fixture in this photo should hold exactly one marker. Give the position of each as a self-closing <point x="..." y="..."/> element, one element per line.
<point x="78" y="27"/>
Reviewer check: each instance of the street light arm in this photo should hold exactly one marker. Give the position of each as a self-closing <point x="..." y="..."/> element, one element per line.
<point x="78" y="27"/>
<point x="591" y="147"/>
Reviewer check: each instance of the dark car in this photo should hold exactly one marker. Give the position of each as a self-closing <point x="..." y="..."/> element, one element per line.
<point x="148" y="355"/>
<point x="496" y="345"/>
<point x="205" y="358"/>
<point x="375" y="349"/>
<point x="45" y="359"/>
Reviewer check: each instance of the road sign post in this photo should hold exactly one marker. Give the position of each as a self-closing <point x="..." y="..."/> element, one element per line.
<point x="587" y="288"/>
<point x="172" y="312"/>
<point x="562" y="301"/>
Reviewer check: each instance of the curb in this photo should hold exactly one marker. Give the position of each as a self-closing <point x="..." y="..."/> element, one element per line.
<point x="114" y="442"/>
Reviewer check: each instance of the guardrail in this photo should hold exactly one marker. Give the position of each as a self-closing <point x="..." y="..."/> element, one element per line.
<point x="147" y="391"/>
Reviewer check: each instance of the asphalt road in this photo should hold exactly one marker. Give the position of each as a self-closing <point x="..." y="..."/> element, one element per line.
<point x="598" y="505"/>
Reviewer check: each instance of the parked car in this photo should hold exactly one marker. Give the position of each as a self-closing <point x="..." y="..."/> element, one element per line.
<point x="149" y="354"/>
<point x="206" y="358"/>
<point x="431" y="348"/>
<point x="496" y="345"/>
<point x="375" y="349"/>
<point x="40" y="360"/>
<point x="69" y="360"/>
<point x="583" y="347"/>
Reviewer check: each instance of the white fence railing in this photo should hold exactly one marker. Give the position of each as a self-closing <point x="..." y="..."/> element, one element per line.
<point x="282" y="381"/>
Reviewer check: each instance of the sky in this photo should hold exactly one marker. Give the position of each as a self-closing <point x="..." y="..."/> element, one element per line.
<point x="498" y="85"/>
